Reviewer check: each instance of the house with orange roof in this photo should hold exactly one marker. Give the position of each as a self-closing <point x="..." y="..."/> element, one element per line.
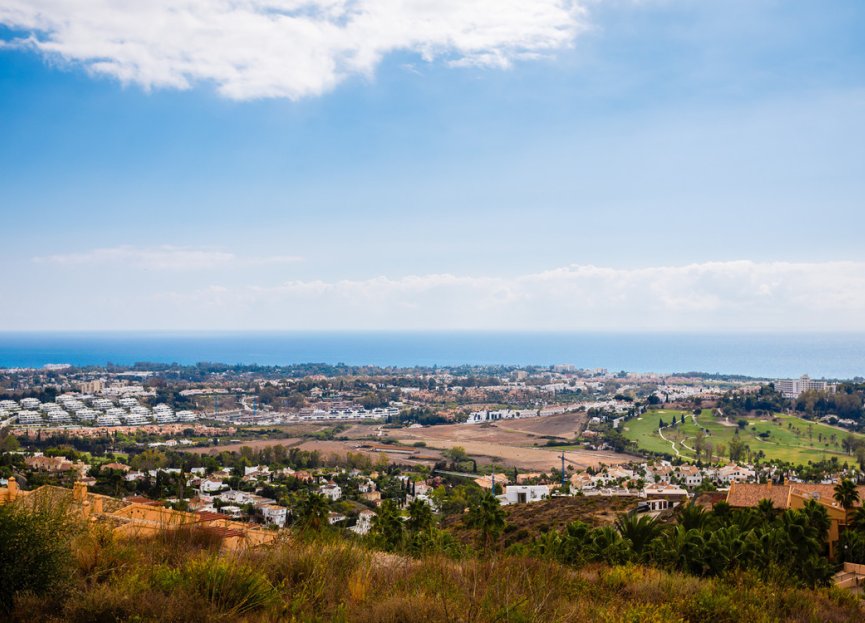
<point x="135" y="517"/>
<point x="794" y="496"/>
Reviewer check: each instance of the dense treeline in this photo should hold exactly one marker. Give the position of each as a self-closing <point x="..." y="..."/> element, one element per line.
<point x="846" y="402"/>
<point x="767" y="399"/>
<point x="778" y="546"/>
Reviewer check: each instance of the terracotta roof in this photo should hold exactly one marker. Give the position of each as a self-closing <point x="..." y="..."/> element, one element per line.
<point x="138" y="499"/>
<point x="748" y="494"/>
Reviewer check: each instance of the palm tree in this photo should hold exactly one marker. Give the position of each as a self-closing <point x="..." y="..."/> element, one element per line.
<point x="693" y="516"/>
<point x="818" y="516"/>
<point x="680" y="549"/>
<point x="846" y="494"/>
<point x="857" y="519"/>
<point x="639" y="531"/>
<point x="488" y="517"/>
<point x="723" y="511"/>
<point x="766" y="508"/>
<point x="609" y="546"/>
<point x="576" y="538"/>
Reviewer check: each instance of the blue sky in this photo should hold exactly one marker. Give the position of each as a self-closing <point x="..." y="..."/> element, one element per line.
<point x="631" y="165"/>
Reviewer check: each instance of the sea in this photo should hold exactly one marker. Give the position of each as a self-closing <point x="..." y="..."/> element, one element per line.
<point x="761" y="355"/>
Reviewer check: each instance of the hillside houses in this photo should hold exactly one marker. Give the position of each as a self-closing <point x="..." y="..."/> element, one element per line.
<point x="364" y="522"/>
<point x="331" y="491"/>
<point x="689" y="475"/>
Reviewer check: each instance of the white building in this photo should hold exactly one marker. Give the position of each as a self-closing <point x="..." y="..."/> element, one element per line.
<point x="521" y="494"/>
<point x="29" y="417"/>
<point x="274" y="514"/>
<point x="792" y="388"/>
<point x="211" y="485"/>
<point x="331" y="491"/>
<point x="364" y="522"/>
<point x="735" y="473"/>
<point x="689" y="475"/>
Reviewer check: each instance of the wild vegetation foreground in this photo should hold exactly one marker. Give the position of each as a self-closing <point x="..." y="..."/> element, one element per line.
<point x="56" y="570"/>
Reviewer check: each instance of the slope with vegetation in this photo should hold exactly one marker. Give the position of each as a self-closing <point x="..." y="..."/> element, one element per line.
<point x="756" y="565"/>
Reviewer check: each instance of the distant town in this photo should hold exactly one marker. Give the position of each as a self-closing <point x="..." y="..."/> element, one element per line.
<point x="252" y="450"/>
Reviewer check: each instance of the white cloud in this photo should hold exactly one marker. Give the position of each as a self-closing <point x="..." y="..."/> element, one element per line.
<point x="284" y="48"/>
<point x="161" y="258"/>
<point x="736" y="295"/>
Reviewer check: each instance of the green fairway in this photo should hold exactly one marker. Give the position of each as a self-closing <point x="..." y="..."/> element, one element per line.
<point x="789" y="438"/>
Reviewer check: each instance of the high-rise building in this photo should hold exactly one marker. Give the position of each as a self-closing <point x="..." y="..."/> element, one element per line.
<point x="792" y="388"/>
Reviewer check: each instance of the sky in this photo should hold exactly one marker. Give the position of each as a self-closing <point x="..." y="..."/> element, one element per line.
<point x="612" y="165"/>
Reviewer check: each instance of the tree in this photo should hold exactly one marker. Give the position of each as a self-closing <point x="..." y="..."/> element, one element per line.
<point x="35" y="552"/>
<point x="8" y="441"/>
<point x="387" y="526"/>
<point x="846" y="494"/>
<point x="857" y="520"/>
<point x="311" y="511"/>
<point x="488" y="517"/>
<point x="639" y="531"/>
<point x="766" y="508"/>
<point x="420" y="517"/>
<point x="149" y="460"/>
<point x="737" y="448"/>
<point x="693" y="516"/>
<point x="699" y="443"/>
<point x="457" y="454"/>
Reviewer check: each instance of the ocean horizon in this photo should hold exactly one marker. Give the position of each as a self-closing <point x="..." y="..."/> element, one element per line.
<point x="762" y="355"/>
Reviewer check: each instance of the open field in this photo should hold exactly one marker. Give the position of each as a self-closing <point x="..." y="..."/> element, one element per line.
<point x="502" y="443"/>
<point x="509" y="443"/>
<point x="789" y="438"/>
<point x="565" y="425"/>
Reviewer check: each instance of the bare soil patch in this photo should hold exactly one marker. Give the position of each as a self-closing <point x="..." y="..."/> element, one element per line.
<point x="509" y="448"/>
<point x="565" y="425"/>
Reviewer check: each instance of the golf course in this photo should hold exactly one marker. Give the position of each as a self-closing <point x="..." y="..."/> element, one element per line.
<point x="781" y="436"/>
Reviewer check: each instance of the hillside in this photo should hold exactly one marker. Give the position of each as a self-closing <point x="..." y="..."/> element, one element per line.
<point x="524" y="521"/>
<point x="182" y="577"/>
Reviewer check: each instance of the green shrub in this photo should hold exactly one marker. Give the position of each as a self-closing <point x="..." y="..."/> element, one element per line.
<point x="232" y="587"/>
<point x="35" y="552"/>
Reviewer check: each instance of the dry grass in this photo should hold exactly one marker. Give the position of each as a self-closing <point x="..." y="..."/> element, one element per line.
<point x="332" y="579"/>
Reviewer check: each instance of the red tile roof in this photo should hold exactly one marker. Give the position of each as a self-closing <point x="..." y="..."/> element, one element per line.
<point x="743" y="495"/>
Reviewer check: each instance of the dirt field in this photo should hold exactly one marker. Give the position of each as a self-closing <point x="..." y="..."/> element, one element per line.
<point x="509" y="443"/>
<point x="565" y="425"/>
<point x="503" y="444"/>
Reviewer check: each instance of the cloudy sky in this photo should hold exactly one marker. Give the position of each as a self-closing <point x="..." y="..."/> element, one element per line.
<point x="432" y="164"/>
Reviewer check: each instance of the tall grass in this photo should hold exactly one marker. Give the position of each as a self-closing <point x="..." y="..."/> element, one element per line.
<point x="326" y="578"/>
